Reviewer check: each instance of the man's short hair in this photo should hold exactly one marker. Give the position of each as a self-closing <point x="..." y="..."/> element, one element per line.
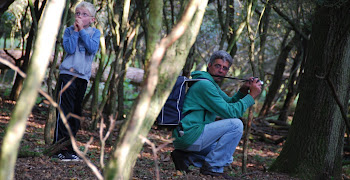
<point x="90" y="7"/>
<point x="221" y="54"/>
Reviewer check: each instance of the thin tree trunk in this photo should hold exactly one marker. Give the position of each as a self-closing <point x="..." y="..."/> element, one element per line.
<point x="51" y="115"/>
<point x="146" y="108"/>
<point x="113" y="19"/>
<point x="189" y="63"/>
<point x="166" y="22"/>
<point x="43" y="47"/>
<point x="96" y="85"/>
<point x="232" y="44"/>
<point x="278" y="77"/>
<point x="263" y="28"/>
<point x="248" y="123"/>
<point x="314" y="145"/>
<point x="292" y="85"/>
<point x="120" y="91"/>
<point x="121" y="59"/>
<point x="17" y="87"/>
<point x="226" y="23"/>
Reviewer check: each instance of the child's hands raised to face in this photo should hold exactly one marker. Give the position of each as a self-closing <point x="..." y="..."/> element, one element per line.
<point x="78" y="24"/>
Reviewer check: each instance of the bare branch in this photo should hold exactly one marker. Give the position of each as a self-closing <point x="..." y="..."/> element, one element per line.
<point x="9" y="54"/>
<point x="155" y="151"/>
<point x="285" y="17"/>
<point x="336" y="98"/>
<point x="103" y="139"/>
<point x="67" y="85"/>
<point x="88" y="144"/>
<point x="177" y="32"/>
<point x="14" y="67"/>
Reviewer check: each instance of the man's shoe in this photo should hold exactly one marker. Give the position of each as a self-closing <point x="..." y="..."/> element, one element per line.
<point x="179" y="158"/>
<point x="205" y="171"/>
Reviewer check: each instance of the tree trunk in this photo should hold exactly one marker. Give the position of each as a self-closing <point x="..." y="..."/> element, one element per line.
<point x="226" y="23"/>
<point x="145" y="109"/>
<point x="263" y="28"/>
<point x="51" y="115"/>
<point x="96" y="85"/>
<point x="186" y="71"/>
<point x="44" y="44"/>
<point x="17" y="87"/>
<point x="118" y="37"/>
<point x="278" y="76"/>
<point x="121" y="60"/>
<point x="120" y="91"/>
<point x="313" y="149"/>
<point x="247" y="124"/>
<point x="293" y="82"/>
<point x="232" y="46"/>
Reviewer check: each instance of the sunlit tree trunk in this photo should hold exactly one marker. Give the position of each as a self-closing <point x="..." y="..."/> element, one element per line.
<point x="313" y="149"/>
<point x="43" y="47"/>
<point x="149" y="102"/>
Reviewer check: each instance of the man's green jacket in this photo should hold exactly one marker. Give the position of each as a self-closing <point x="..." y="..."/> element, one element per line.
<point x="203" y="102"/>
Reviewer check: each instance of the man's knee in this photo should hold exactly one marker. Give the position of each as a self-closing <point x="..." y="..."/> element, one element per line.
<point x="238" y="125"/>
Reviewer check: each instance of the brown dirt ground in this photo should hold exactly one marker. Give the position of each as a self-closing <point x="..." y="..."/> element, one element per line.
<point x="260" y="154"/>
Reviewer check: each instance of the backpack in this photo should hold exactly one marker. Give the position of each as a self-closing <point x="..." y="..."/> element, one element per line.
<point x="171" y="113"/>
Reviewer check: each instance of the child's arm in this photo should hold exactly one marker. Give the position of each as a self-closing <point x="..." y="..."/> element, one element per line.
<point x="91" y="44"/>
<point x="70" y="40"/>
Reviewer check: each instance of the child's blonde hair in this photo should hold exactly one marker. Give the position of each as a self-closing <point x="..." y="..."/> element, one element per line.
<point x="90" y="7"/>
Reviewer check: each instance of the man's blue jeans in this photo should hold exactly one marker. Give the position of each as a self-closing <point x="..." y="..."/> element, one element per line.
<point x="216" y="145"/>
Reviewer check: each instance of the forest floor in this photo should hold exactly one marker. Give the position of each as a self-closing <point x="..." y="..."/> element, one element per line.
<point x="260" y="154"/>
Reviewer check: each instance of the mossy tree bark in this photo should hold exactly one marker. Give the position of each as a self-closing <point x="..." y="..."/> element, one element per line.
<point x="43" y="47"/>
<point x="313" y="149"/>
<point x="155" y="89"/>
